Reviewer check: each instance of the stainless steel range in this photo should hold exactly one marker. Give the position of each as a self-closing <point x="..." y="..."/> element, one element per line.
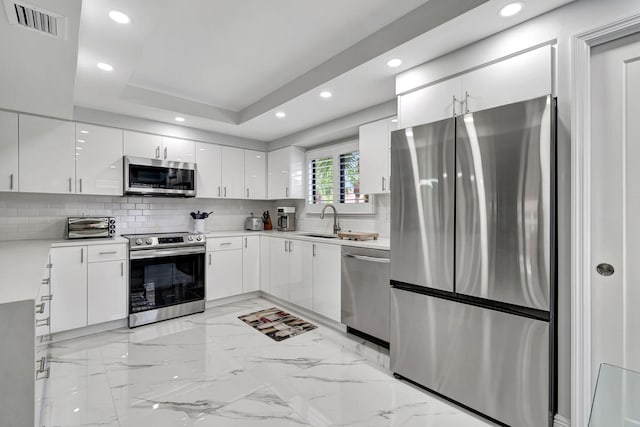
<point x="166" y="276"/>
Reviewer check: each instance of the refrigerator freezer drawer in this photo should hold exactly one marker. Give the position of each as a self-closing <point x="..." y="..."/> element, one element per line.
<point x="493" y="362"/>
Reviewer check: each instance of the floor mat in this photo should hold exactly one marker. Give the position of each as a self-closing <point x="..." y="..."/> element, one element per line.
<point x="277" y="324"/>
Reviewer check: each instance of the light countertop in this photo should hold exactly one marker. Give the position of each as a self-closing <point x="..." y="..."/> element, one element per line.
<point x="381" y="243"/>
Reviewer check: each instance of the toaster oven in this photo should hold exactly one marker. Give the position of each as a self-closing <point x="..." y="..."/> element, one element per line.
<point x="86" y="227"/>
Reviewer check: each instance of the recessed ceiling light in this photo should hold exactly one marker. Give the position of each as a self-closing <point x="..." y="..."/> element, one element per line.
<point x="119" y="17"/>
<point x="281" y="114"/>
<point x="81" y="140"/>
<point x="105" y="67"/>
<point x="511" y="9"/>
<point x="326" y="94"/>
<point x="394" y="120"/>
<point x="179" y="119"/>
<point x="84" y="131"/>
<point x="395" y="62"/>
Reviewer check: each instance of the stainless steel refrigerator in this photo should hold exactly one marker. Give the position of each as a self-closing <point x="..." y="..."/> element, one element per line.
<point x="473" y="260"/>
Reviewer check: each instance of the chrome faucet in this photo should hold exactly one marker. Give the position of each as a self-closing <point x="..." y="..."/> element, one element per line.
<point x="336" y="225"/>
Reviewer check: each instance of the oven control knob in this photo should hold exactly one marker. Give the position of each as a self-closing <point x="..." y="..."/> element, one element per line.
<point x="138" y="241"/>
<point x="190" y="238"/>
<point x="198" y="238"/>
<point x="149" y="241"/>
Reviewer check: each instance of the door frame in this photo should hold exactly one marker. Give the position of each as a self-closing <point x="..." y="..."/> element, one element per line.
<point x="581" y="286"/>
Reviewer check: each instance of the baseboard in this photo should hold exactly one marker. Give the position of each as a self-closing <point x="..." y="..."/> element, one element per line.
<point x="232" y="299"/>
<point x="88" y="330"/>
<point x="560" y="421"/>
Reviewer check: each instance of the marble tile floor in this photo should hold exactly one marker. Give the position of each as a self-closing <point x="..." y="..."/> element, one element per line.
<point x="211" y="369"/>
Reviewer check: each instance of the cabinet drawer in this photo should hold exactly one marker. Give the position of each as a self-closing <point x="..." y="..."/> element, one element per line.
<point x="99" y="253"/>
<point x="224" y="243"/>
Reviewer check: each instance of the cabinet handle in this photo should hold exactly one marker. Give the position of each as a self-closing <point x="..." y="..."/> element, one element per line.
<point x="218" y="191"/>
<point x="314" y="249"/>
<point x="42" y="322"/>
<point x="122" y="269"/>
<point x="209" y="259"/>
<point x="285" y="246"/>
<point x="290" y="246"/>
<point x="225" y="191"/>
<point x="45" y="281"/>
<point x="225" y="244"/>
<point x="158" y="152"/>
<point x="81" y="185"/>
<point x="247" y="193"/>
<point x="245" y="243"/>
<point x="46" y="297"/>
<point x="286" y="192"/>
<point x="466" y="102"/>
<point x="69" y="185"/>
<point x="165" y="153"/>
<point x="11" y="182"/>
<point x="41" y="369"/>
<point x="108" y="252"/>
<point x="40" y="308"/>
<point x="383" y="184"/>
<point x="81" y="255"/>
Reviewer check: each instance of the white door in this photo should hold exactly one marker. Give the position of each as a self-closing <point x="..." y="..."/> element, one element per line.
<point x="209" y="162"/>
<point x="178" y="150"/>
<point x="373" y="143"/>
<point x="233" y="173"/>
<point x="301" y="280"/>
<point x="251" y="263"/>
<point x="326" y="280"/>
<point x="8" y="151"/>
<point x="106" y="291"/>
<point x="279" y="268"/>
<point x="615" y="204"/>
<point x="429" y="104"/>
<point x="138" y="144"/>
<point x="255" y="168"/>
<point x="265" y="259"/>
<point x="47" y="155"/>
<point x="69" y="288"/>
<point x="278" y="173"/>
<point x="225" y="274"/>
<point x="98" y="160"/>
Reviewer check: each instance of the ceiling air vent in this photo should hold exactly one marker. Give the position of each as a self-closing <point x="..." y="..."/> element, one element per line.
<point x="35" y="18"/>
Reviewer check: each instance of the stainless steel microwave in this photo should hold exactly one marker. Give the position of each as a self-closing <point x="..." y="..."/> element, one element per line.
<point x="151" y="177"/>
<point x="90" y="227"/>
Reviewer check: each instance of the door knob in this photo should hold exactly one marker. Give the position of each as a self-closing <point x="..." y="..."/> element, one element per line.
<point x="605" y="269"/>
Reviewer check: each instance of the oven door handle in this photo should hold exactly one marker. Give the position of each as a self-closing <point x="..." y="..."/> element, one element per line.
<point x="156" y="253"/>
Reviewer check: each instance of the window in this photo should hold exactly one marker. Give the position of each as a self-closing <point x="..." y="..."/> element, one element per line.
<point x="333" y="176"/>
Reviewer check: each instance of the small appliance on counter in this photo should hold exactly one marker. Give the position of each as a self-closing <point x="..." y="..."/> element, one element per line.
<point x="253" y="223"/>
<point x="90" y="227"/>
<point x="286" y="219"/>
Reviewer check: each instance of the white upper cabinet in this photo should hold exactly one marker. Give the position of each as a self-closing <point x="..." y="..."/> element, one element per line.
<point x="232" y="173"/>
<point x="177" y="150"/>
<point x="98" y="160"/>
<point x="374" y="145"/>
<point x="255" y="169"/>
<point x="285" y="172"/>
<point x="209" y="163"/>
<point x="522" y="77"/>
<point x="138" y="144"/>
<point x="8" y="151"/>
<point x="46" y="155"/>
<point x="430" y="104"/>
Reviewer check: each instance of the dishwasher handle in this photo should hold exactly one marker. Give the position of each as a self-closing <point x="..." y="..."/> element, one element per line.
<point x="369" y="258"/>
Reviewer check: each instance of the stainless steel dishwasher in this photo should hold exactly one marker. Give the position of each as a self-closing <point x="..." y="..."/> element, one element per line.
<point x="365" y="293"/>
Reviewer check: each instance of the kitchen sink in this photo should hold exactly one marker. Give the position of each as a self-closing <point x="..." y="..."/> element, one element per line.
<point x="320" y="235"/>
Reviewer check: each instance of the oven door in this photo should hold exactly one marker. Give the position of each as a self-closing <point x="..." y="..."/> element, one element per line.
<point x="165" y="277"/>
<point x="152" y="177"/>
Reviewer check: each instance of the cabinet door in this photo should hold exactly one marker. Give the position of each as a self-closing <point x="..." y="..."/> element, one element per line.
<point x="98" y="160"/>
<point x="69" y="288"/>
<point x="255" y="168"/>
<point x="178" y="150"/>
<point x="301" y="280"/>
<point x="279" y="268"/>
<point x="519" y="78"/>
<point x="233" y="173"/>
<point x="374" y="157"/>
<point x="140" y="144"/>
<point x="251" y="263"/>
<point x="106" y="291"/>
<point x="47" y="155"/>
<point x="265" y="259"/>
<point x="225" y="274"/>
<point x="430" y="104"/>
<point x="326" y="280"/>
<point x="8" y="151"/>
<point x="278" y="174"/>
<point x="209" y="163"/>
<point x="295" y="187"/>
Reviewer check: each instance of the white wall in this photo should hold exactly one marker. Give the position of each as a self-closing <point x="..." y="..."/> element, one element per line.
<point x="43" y="216"/>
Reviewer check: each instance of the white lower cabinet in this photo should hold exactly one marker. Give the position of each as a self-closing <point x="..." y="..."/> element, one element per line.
<point x="279" y="264"/>
<point x="107" y="291"/>
<point x="301" y="273"/>
<point x="88" y="284"/>
<point x="224" y="274"/>
<point x="251" y="264"/>
<point x="326" y="280"/>
<point x="265" y="268"/>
